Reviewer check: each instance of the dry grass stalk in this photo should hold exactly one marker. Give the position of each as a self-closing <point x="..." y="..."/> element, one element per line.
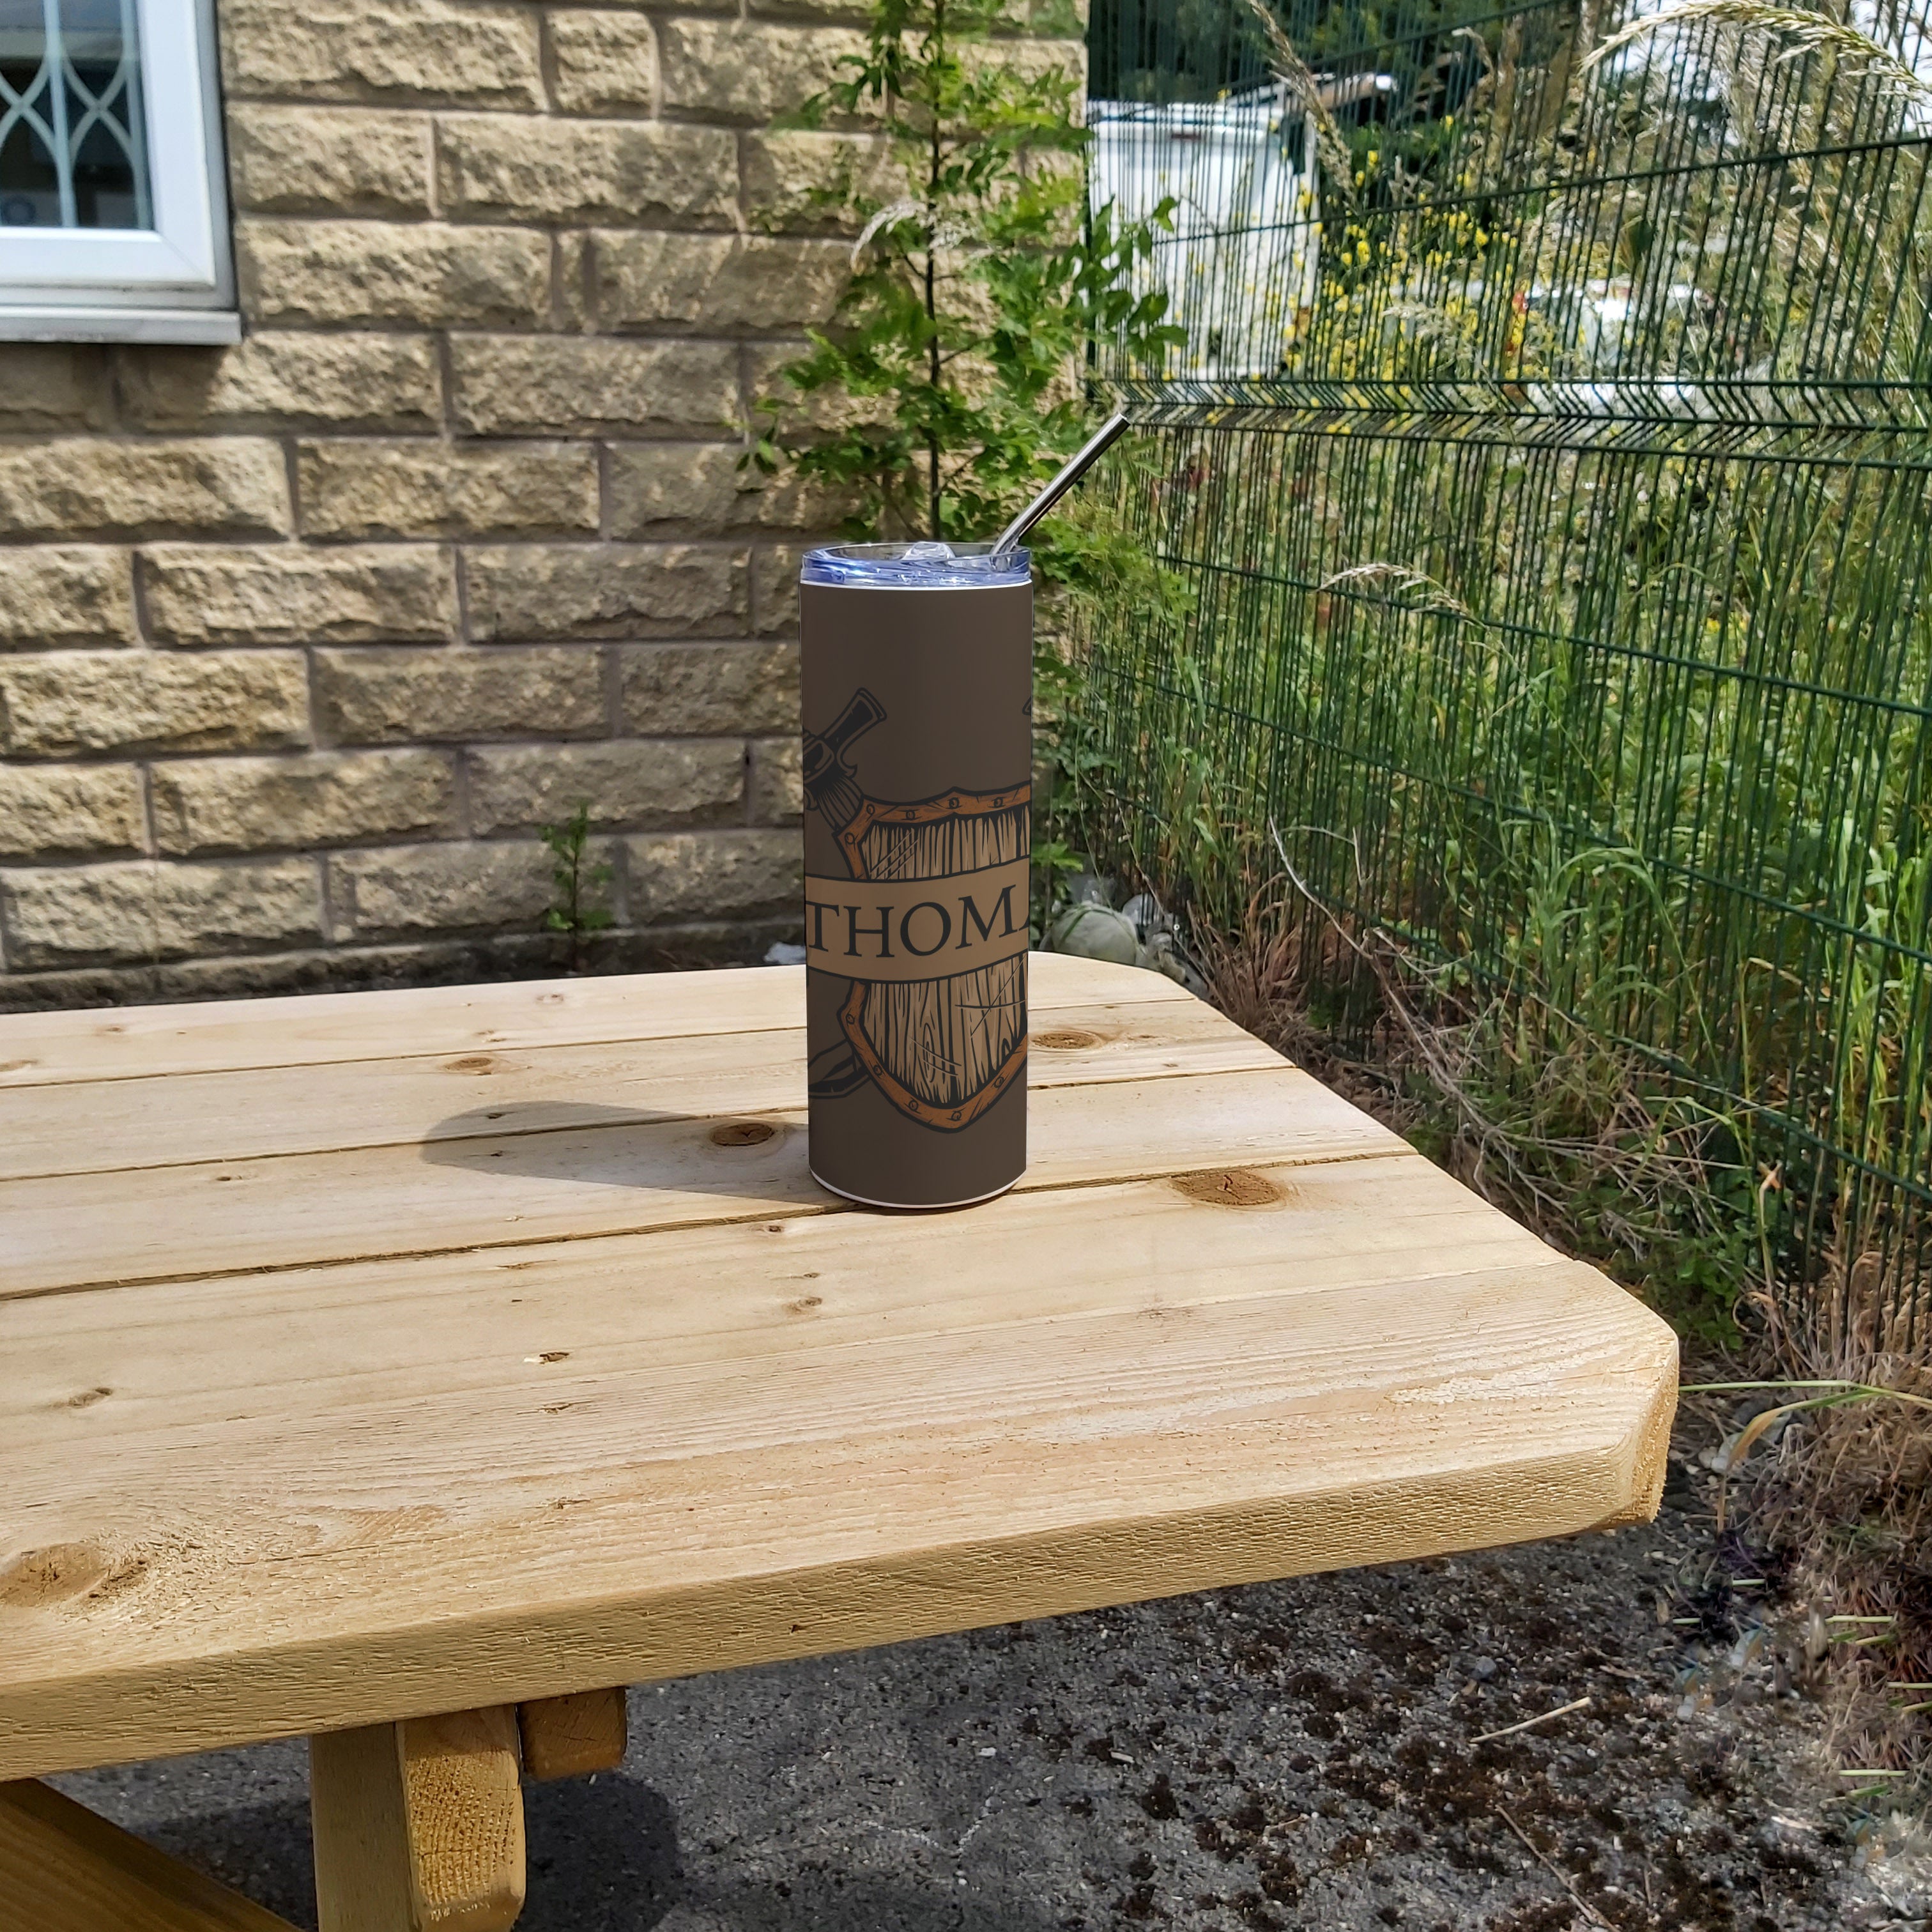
<point x="1844" y="1494"/>
<point x="1517" y="1100"/>
<point x="1338" y="166"/>
<point x="1848" y="1492"/>
<point x="1800" y="29"/>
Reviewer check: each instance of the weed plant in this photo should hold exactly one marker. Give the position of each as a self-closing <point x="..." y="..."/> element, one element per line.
<point x="950" y="383"/>
<point x="577" y="883"/>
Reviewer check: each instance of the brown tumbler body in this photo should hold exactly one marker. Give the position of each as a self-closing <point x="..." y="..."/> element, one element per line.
<point x="918" y="716"/>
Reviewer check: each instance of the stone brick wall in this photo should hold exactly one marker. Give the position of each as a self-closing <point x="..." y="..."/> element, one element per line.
<point x="301" y="640"/>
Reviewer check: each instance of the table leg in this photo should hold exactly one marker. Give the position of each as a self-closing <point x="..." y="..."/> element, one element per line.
<point x="565" y="1737"/>
<point x="419" y="1825"/>
<point x="64" y="1869"/>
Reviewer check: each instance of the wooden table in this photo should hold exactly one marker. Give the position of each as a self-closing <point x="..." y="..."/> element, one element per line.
<point x="407" y="1369"/>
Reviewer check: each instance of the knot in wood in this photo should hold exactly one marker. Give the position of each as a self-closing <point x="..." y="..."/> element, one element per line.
<point x="1231" y="1187"/>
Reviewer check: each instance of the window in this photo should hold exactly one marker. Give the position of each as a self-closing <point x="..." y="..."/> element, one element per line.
<point x="113" y="225"/>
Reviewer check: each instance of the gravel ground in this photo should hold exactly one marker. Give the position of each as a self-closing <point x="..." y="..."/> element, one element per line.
<point x="1295" y="1755"/>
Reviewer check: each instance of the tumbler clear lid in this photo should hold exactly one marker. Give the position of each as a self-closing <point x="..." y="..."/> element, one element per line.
<point x="916" y="566"/>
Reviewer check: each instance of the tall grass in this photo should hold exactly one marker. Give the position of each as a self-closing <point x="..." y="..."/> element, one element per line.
<point x="1558" y="632"/>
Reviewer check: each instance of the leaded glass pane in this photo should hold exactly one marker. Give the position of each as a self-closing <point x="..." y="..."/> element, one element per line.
<point x="72" y="154"/>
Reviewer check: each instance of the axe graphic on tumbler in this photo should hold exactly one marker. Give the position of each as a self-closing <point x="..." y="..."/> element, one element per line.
<point x="833" y="791"/>
<point x="829" y="782"/>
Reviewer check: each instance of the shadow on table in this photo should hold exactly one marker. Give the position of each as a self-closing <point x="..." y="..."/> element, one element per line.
<point x="755" y="1157"/>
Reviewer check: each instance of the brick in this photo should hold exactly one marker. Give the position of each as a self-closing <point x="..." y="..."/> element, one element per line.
<point x="401" y="696"/>
<point x="286" y="379"/>
<point x="538" y="591"/>
<point x="828" y="410"/>
<point x="506" y="384"/>
<point x="747" y="70"/>
<point x="500" y="166"/>
<point x="144" y="911"/>
<point x="1030" y="59"/>
<point x="777" y="791"/>
<point x="605" y="62"/>
<point x="289" y="594"/>
<point x="673" y="690"/>
<point x="1063" y="19"/>
<point x="75" y="702"/>
<point x="370" y="271"/>
<point x="624" y="781"/>
<point x="704" y="875"/>
<point x="437" y="489"/>
<point x="65" y="595"/>
<point x="444" y="888"/>
<point x="85" y="487"/>
<point x="51" y="811"/>
<point x="819" y="9"/>
<point x="805" y="182"/>
<point x="575" y="293"/>
<point x="455" y="51"/>
<point x="329" y="160"/>
<point x="696" y="489"/>
<point x="775" y="589"/>
<point x="326" y="798"/>
<point x="723" y="285"/>
<point x="53" y="385"/>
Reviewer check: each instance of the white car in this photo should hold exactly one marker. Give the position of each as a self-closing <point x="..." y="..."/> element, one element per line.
<point x="1243" y="262"/>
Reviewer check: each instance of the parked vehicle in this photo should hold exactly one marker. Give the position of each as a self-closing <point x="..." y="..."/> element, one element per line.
<point x="1242" y="262"/>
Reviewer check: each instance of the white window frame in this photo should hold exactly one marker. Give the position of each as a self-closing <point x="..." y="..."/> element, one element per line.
<point x="175" y="282"/>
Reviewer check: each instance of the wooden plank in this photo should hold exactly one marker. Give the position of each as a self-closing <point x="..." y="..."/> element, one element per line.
<point x="359" y="1822"/>
<point x="314" y="1029"/>
<point x="571" y="1737"/>
<point x="75" y="1230"/>
<point x="464" y="1805"/>
<point x="64" y="1869"/>
<point x="1125" y="1391"/>
<point x="174" y="1120"/>
<point x="419" y="1826"/>
<point x="84" y="1369"/>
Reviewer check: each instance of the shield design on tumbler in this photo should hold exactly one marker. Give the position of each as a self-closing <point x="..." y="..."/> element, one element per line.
<point x="942" y="1048"/>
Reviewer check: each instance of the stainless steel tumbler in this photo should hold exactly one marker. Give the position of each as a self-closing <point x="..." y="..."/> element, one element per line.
<point x="918" y="715"/>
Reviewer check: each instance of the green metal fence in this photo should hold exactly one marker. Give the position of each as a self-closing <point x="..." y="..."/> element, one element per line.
<point x="1548" y="473"/>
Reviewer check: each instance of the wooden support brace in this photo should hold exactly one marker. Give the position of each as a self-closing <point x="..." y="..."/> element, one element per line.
<point x="565" y="1737"/>
<point x="419" y="1825"/>
<point x="63" y="1869"/>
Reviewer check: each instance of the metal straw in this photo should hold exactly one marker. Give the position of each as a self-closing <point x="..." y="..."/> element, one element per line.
<point x="1090" y="452"/>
